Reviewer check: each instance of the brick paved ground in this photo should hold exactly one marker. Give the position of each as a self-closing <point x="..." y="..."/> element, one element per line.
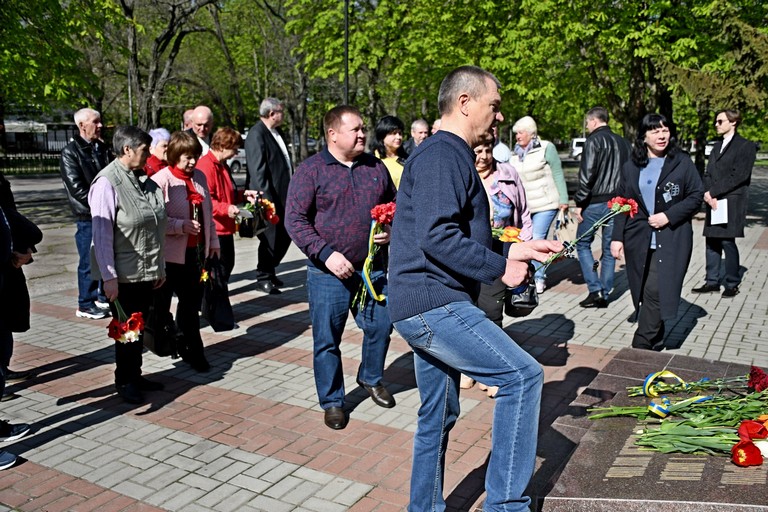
<point x="249" y="435"/>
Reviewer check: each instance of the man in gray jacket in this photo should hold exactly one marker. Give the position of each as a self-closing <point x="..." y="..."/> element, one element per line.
<point x="604" y="155"/>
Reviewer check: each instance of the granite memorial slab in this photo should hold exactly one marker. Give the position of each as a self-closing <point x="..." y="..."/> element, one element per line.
<point x="606" y="471"/>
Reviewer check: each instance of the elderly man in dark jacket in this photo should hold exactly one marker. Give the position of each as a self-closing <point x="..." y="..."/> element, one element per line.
<point x="726" y="180"/>
<point x="81" y="161"/>
<point x="604" y="154"/>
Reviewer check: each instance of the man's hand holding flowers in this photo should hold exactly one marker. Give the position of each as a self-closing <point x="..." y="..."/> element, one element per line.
<point x="520" y="254"/>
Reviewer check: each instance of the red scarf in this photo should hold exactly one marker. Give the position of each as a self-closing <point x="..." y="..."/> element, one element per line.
<point x="193" y="196"/>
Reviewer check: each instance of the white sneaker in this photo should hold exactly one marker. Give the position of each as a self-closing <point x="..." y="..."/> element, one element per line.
<point x="102" y="305"/>
<point x="541" y="285"/>
<point x="93" y="313"/>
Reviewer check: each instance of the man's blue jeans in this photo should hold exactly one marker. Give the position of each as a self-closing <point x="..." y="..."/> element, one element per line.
<point x="604" y="281"/>
<point x="541" y="221"/>
<point x="87" y="289"/>
<point x="458" y="338"/>
<point x="330" y="301"/>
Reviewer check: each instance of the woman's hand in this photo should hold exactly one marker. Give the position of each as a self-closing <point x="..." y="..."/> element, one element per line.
<point x="190" y="227"/>
<point x="214" y="252"/>
<point x="617" y="250"/>
<point x="232" y="211"/>
<point x="658" y="220"/>
<point x="252" y="195"/>
<point x="110" y="289"/>
<point x="18" y="258"/>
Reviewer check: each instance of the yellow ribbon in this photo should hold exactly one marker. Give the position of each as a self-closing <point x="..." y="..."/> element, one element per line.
<point x="368" y="265"/>
<point x="649" y="389"/>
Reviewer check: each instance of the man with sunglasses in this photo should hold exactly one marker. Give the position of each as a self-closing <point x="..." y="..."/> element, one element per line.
<point x="726" y="180"/>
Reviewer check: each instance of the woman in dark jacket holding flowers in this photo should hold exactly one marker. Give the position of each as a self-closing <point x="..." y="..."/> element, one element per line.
<point x="190" y="239"/>
<point x="658" y="240"/>
<point x="128" y="241"/>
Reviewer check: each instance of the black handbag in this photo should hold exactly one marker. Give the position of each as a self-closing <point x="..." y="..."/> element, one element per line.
<point x="521" y="304"/>
<point x="161" y="336"/>
<point x="253" y="226"/>
<point x="216" y="306"/>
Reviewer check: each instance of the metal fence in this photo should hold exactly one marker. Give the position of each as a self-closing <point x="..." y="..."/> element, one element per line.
<point x="29" y="163"/>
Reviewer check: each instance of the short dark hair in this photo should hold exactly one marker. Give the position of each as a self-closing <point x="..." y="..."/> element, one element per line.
<point x="599" y="113"/>
<point x="652" y="122"/>
<point x="384" y="127"/>
<point x="464" y="79"/>
<point x="732" y="114"/>
<point x="182" y="143"/>
<point x="129" y="136"/>
<point x="332" y="118"/>
<point x="226" y="138"/>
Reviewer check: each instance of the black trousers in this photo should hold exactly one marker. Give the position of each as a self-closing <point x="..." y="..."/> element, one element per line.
<point x="715" y="248"/>
<point x="650" y="326"/>
<point x="227" y="243"/>
<point x="273" y="245"/>
<point x="133" y="298"/>
<point x="184" y="281"/>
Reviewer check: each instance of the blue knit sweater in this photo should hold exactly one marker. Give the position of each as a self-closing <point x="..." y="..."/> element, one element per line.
<point x="441" y="236"/>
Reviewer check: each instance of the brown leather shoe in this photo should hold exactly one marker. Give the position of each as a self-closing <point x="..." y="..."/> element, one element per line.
<point x="335" y="418"/>
<point x="379" y="394"/>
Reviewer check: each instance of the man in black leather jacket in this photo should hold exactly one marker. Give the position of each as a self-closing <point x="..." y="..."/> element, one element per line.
<point x="81" y="161"/>
<point x="601" y="161"/>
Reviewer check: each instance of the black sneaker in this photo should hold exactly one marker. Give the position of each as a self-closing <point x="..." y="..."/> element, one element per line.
<point x="130" y="393"/>
<point x="276" y="281"/>
<point x="10" y="432"/>
<point x="149" y="385"/>
<point x="92" y="312"/>
<point x="594" y="300"/>
<point x="12" y="376"/>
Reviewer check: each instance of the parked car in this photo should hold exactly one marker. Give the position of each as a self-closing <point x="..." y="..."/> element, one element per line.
<point x="237" y="162"/>
<point x="577" y="147"/>
<point x="312" y="146"/>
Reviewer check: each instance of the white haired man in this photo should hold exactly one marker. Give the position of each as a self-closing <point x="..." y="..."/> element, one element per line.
<point x="81" y="161"/>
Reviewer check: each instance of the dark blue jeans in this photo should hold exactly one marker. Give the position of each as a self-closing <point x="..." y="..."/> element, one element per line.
<point x="330" y="301"/>
<point x="87" y="288"/>
<point x="604" y="281"/>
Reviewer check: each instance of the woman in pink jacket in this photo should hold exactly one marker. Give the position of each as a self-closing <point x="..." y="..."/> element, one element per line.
<point x="508" y="206"/>
<point x="190" y="238"/>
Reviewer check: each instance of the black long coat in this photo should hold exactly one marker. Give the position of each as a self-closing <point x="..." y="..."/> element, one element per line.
<point x="680" y="181"/>
<point x="728" y="176"/>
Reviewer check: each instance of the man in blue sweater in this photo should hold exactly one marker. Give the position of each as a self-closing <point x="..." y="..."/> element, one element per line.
<point x="440" y="253"/>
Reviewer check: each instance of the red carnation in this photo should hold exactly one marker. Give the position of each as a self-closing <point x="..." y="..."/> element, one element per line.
<point x="195" y="198"/>
<point x="758" y="380"/>
<point x="383" y="213"/>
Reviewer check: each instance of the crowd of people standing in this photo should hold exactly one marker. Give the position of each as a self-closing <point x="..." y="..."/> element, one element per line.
<point x="153" y="207"/>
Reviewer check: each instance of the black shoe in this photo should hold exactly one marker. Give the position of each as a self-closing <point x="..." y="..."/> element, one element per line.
<point x="149" y="385"/>
<point x="730" y="292"/>
<point x="276" y="281"/>
<point x="379" y="395"/>
<point x="199" y="364"/>
<point x="12" y="376"/>
<point x="267" y="287"/>
<point x="130" y="393"/>
<point x="335" y="418"/>
<point x="707" y="288"/>
<point x="594" y="300"/>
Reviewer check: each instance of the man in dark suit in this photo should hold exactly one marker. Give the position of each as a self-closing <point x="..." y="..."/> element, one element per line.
<point x="727" y="177"/>
<point x="269" y="171"/>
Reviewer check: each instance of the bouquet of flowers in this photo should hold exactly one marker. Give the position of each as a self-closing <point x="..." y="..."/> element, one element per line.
<point x="125" y="329"/>
<point x="735" y="425"/>
<point x="617" y="206"/>
<point x="260" y="215"/>
<point x="382" y="215"/>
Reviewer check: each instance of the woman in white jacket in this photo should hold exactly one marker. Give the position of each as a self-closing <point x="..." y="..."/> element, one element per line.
<point x="541" y="173"/>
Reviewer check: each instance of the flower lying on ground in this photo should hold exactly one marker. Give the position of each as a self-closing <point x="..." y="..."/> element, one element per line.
<point x="125" y="329"/>
<point x="734" y="424"/>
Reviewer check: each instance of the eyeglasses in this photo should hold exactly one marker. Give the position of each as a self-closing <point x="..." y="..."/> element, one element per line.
<point x="718" y="122"/>
<point x="277" y="111"/>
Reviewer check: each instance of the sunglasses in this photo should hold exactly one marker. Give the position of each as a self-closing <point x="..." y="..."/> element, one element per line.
<point x="718" y="122"/>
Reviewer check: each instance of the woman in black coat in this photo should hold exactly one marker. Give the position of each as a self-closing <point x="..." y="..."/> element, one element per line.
<point x="658" y="241"/>
<point x="728" y="175"/>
